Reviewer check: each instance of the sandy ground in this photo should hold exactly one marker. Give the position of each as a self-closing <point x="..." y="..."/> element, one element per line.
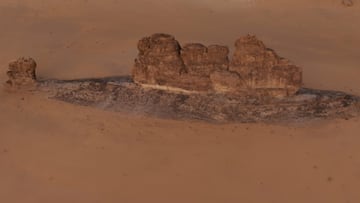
<point x="56" y="152"/>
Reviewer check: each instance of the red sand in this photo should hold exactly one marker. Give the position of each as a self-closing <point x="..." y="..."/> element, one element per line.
<point x="56" y="152"/>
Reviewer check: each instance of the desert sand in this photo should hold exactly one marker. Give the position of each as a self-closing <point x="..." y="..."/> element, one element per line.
<point x="51" y="151"/>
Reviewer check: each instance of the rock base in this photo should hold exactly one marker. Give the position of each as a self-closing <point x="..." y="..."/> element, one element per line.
<point x="121" y="94"/>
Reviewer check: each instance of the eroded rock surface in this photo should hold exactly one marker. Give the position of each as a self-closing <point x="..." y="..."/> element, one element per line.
<point x="195" y="67"/>
<point x="158" y="61"/>
<point x="261" y="68"/>
<point x="202" y="61"/>
<point x="22" y="73"/>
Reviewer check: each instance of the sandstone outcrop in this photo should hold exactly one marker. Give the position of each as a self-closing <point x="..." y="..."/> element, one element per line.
<point x="159" y="61"/>
<point x="261" y="68"/>
<point x="202" y="61"/>
<point x="194" y="67"/>
<point x="22" y="73"/>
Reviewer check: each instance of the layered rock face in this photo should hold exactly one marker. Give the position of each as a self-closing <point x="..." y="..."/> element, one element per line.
<point x="195" y="67"/>
<point x="261" y="68"/>
<point x="159" y="61"/>
<point x="200" y="62"/>
<point x="22" y="73"/>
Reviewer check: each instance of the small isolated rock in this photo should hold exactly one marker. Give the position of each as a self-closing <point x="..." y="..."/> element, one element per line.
<point x="347" y="3"/>
<point x="22" y="72"/>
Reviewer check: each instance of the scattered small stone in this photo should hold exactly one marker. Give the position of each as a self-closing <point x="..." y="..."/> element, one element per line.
<point x="330" y="179"/>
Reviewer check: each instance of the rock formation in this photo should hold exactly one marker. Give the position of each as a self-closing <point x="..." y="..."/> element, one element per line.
<point x="262" y="69"/>
<point x="255" y="86"/>
<point x="21" y="73"/>
<point x="159" y="60"/>
<point x="195" y="67"/>
<point x="200" y="62"/>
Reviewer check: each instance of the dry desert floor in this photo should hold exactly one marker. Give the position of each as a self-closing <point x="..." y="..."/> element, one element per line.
<point x="56" y="152"/>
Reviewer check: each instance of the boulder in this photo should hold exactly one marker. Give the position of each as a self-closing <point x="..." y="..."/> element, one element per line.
<point x="22" y="72"/>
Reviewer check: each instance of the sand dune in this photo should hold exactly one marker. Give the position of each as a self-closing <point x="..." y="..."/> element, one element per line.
<point x="56" y="152"/>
